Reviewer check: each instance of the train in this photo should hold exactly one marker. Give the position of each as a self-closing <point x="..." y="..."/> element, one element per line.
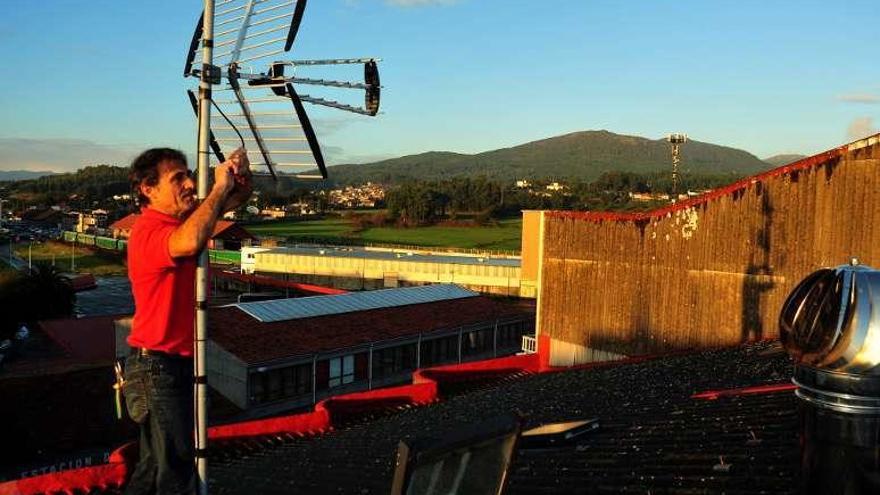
<point x="222" y="256"/>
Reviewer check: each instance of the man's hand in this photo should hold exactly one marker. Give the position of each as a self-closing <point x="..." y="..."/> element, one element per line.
<point x="224" y="178"/>
<point x="243" y="188"/>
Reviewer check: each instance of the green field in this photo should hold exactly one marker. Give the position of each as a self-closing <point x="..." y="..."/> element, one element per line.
<point x="503" y="237"/>
<point x="84" y="259"/>
<point x="302" y="229"/>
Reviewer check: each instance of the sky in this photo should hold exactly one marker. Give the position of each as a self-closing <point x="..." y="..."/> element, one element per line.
<point x="97" y="81"/>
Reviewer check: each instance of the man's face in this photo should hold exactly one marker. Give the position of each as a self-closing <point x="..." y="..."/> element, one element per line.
<point x="174" y="194"/>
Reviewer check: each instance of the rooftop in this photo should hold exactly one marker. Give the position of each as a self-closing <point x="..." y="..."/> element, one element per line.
<point x="255" y="342"/>
<point x="653" y="436"/>
<point x="307" y="307"/>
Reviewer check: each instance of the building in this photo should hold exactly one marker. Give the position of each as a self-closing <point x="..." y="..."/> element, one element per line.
<point x="705" y="272"/>
<point x="357" y="268"/>
<point x="272" y="356"/>
<point x="273" y="213"/>
<point x="227" y="235"/>
<point x="90" y="223"/>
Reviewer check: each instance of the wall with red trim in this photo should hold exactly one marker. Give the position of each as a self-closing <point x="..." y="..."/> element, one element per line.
<point x="712" y="271"/>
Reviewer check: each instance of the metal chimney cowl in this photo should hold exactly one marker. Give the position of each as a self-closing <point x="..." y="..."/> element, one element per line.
<point x="830" y="325"/>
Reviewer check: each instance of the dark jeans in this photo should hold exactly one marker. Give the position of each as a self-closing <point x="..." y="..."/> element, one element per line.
<point x="159" y="396"/>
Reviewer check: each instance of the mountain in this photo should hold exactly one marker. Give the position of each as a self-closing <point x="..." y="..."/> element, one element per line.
<point x="780" y="160"/>
<point x="582" y="155"/>
<point x="10" y="175"/>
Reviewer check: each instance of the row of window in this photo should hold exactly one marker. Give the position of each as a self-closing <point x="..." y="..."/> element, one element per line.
<point x="296" y="380"/>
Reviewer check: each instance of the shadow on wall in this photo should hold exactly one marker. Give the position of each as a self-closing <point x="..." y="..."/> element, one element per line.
<point x="758" y="280"/>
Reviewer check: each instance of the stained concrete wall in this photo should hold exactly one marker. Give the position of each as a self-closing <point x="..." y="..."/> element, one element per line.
<point x="712" y="271"/>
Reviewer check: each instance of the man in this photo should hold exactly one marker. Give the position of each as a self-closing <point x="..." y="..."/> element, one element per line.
<point x="171" y="230"/>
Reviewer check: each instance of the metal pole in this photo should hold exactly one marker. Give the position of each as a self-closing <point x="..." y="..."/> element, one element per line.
<point x="30" y="245"/>
<point x="459" y="344"/>
<point x="73" y="254"/>
<point x="370" y="368"/>
<point x="419" y="352"/>
<point x="200" y="369"/>
<point x="315" y="379"/>
<point x="495" y="339"/>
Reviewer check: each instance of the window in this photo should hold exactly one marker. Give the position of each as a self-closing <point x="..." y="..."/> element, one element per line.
<point x="341" y="371"/>
<point x="392" y="360"/>
<point x="280" y="383"/>
<point x="442" y="350"/>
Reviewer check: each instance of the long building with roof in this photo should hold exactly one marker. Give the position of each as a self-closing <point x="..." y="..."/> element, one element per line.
<point x="272" y="356"/>
<point x="358" y="268"/>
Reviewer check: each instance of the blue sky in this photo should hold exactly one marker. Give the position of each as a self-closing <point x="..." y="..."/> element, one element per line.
<point x="97" y="81"/>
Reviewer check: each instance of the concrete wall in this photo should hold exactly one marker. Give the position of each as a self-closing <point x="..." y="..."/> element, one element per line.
<point x="227" y="374"/>
<point x="531" y="231"/>
<point x="713" y="271"/>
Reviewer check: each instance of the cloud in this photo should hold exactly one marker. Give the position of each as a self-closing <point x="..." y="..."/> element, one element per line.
<point x="61" y="155"/>
<point x="860" y="98"/>
<point x="419" y="3"/>
<point x="860" y="127"/>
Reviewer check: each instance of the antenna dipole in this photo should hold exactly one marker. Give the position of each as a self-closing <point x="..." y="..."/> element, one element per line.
<point x="676" y="139"/>
<point x="200" y="368"/>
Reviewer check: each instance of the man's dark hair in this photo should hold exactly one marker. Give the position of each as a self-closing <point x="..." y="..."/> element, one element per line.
<point x="145" y="170"/>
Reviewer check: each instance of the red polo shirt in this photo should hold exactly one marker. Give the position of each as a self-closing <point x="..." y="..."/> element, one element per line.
<point x="163" y="287"/>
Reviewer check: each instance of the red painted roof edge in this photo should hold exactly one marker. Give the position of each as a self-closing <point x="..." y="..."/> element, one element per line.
<point x="805" y="163"/>
<point x="735" y="392"/>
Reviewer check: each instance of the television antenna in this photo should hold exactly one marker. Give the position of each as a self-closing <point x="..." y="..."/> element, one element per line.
<point x="676" y="139"/>
<point x="260" y="107"/>
<point x="261" y="110"/>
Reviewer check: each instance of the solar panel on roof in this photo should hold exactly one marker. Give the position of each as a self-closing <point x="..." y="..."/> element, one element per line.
<point x="307" y="307"/>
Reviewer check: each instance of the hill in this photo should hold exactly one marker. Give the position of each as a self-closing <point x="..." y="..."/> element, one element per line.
<point x="11" y="175"/>
<point x="780" y="160"/>
<point x="94" y="183"/>
<point x="581" y="155"/>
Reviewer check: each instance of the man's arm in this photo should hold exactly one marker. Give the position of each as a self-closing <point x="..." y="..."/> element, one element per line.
<point x="193" y="234"/>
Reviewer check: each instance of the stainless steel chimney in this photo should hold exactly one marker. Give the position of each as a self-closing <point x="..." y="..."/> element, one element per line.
<point x="830" y="325"/>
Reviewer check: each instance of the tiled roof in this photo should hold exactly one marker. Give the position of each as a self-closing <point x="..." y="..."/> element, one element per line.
<point x="307" y="307"/>
<point x="654" y="437"/>
<point x="255" y="342"/>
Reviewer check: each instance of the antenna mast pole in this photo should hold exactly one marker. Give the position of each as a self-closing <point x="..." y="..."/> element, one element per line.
<point x="200" y="370"/>
<point x="676" y="140"/>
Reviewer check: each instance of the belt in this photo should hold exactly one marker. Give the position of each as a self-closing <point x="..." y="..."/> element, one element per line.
<point x="140" y="351"/>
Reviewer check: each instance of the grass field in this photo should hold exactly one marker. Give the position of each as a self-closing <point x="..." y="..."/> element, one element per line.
<point x="85" y="259"/>
<point x="316" y="228"/>
<point x="505" y="236"/>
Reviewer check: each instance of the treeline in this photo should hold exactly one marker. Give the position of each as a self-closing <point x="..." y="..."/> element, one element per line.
<point x="83" y="187"/>
<point x="425" y="202"/>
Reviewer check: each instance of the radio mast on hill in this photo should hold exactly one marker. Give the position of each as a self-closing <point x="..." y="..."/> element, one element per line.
<point x="676" y="139"/>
